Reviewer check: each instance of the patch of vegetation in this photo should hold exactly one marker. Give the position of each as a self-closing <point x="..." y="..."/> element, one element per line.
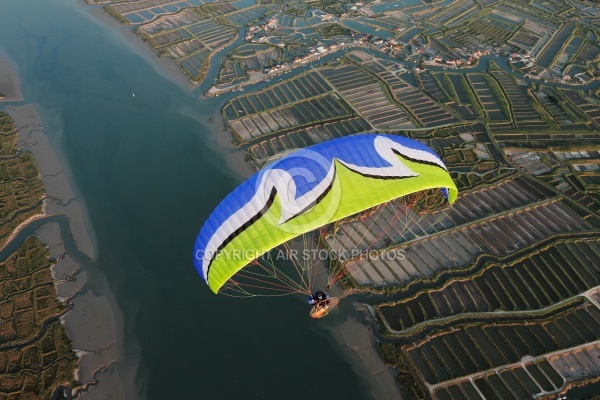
<point x="21" y="190"/>
<point x="331" y="6"/>
<point x="116" y="15"/>
<point x="334" y="30"/>
<point x="498" y="94"/>
<point x="297" y="9"/>
<point x="391" y="354"/>
<point x="35" y="352"/>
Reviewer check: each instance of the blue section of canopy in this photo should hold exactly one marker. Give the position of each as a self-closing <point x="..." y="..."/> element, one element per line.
<point x="308" y="167"/>
<point x="356" y="149"/>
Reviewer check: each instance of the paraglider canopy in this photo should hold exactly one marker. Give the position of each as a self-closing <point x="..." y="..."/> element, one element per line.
<point x="308" y="189"/>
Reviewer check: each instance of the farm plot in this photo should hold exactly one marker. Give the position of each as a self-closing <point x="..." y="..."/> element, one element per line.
<point x="195" y="65"/>
<point x="189" y="39"/>
<point x="451" y="16"/>
<point x="246" y="58"/>
<point x="581" y="155"/>
<point x="466" y="178"/>
<point x="549" y="7"/>
<point x="544" y="140"/>
<point x="290" y="21"/>
<point x="455" y="136"/>
<point x="488" y="100"/>
<point x="169" y="23"/>
<point x="525" y="39"/>
<point x="317" y="109"/>
<point x="251" y="14"/>
<point x="591" y="110"/>
<point x="268" y="149"/>
<point x="468" y="155"/>
<point x="556" y="272"/>
<point x="305" y="100"/>
<point x="35" y="343"/>
<point x="431" y="87"/>
<point x="458" y="90"/>
<point x="212" y="34"/>
<point x="530" y="161"/>
<point x="367" y="97"/>
<point x="588" y="175"/>
<point x="440" y="46"/>
<point x="396" y="23"/>
<point x="483" y="32"/>
<point x="21" y="190"/>
<point x="552" y="49"/>
<point x="366" y="26"/>
<point x="410" y="34"/>
<point x="185" y="18"/>
<point x="137" y="12"/>
<point x="472" y="159"/>
<point x="518" y="381"/>
<point x="565" y="58"/>
<point x="459" y="246"/>
<point x="578" y="364"/>
<point x="548" y="99"/>
<point x="289" y="91"/>
<point x="161" y="40"/>
<point x="215" y="9"/>
<point x="425" y="110"/>
<point x="532" y="17"/>
<point x="378" y="23"/>
<point x="393" y="224"/>
<point x="588" y="52"/>
<point x="466" y="151"/>
<point x="470" y="348"/>
<point x="231" y="72"/>
<point x="524" y="116"/>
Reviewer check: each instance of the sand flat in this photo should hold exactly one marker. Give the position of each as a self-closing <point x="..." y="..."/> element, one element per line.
<point x="10" y="88"/>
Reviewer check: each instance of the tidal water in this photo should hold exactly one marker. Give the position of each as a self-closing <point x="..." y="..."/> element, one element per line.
<point x="148" y="171"/>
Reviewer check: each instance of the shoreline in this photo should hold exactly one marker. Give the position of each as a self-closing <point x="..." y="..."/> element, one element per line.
<point x="165" y="66"/>
<point x="94" y="323"/>
<point x="235" y="157"/>
<point x="356" y="343"/>
<point x="23" y="225"/>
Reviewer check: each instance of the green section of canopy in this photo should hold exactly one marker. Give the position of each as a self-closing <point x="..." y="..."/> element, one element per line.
<point x="351" y="193"/>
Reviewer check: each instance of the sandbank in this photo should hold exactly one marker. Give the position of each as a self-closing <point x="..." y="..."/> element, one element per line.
<point x="10" y="88"/>
<point x="235" y="157"/>
<point x="358" y="346"/>
<point x="59" y="196"/>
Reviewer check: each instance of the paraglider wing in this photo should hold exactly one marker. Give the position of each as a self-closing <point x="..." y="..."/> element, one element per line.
<point x="309" y="188"/>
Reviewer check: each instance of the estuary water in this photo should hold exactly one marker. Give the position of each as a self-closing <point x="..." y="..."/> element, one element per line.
<point x="146" y="166"/>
